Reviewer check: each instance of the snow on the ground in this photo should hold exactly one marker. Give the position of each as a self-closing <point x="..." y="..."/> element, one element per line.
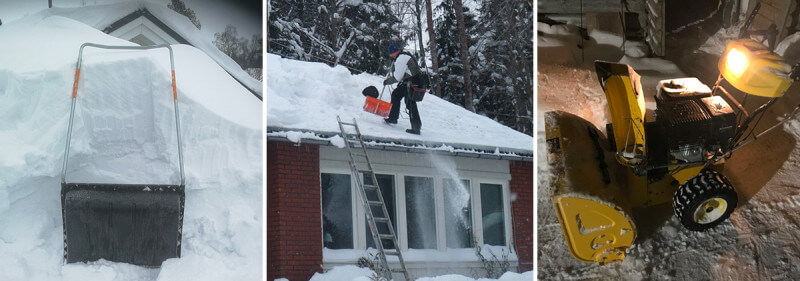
<point x="354" y="273"/>
<point x="788" y="48"/>
<point x="101" y="16"/>
<point x="759" y="242"/>
<point x="124" y="133"/>
<point x="307" y="96"/>
<point x="558" y="77"/>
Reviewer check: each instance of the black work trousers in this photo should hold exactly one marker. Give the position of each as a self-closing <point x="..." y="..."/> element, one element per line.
<point x="403" y="91"/>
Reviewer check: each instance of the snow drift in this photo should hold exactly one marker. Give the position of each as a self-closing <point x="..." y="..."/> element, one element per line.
<point x="124" y="134"/>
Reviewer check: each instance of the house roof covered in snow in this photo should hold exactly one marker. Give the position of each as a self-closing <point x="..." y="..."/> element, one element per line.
<point x="305" y="98"/>
<point x="164" y="22"/>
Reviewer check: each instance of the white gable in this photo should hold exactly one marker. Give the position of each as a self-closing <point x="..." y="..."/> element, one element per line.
<point x="143" y="32"/>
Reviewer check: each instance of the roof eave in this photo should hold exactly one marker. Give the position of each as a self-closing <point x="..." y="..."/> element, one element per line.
<point x="143" y="12"/>
<point x="460" y="150"/>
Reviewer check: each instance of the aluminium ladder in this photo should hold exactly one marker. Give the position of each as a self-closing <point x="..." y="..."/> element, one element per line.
<point x="353" y="141"/>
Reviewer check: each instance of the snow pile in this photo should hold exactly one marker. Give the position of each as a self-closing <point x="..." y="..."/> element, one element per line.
<point x="124" y="132"/>
<point x="354" y="273"/>
<point x="307" y="96"/>
<point x="341" y="273"/>
<point x="789" y="48"/>
<point x="101" y="16"/>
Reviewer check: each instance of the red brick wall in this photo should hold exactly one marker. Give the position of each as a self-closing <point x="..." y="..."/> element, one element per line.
<point x="294" y="228"/>
<point x="522" y="212"/>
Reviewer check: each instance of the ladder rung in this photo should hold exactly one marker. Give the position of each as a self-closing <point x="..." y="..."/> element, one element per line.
<point x="356" y="147"/>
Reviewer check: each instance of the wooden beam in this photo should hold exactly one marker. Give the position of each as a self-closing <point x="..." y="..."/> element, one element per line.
<point x="574" y="6"/>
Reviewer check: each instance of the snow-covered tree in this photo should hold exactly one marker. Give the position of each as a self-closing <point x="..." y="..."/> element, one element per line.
<point x="181" y="8"/>
<point x="229" y="42"/>
<point x="246" y="53"/>
<point x="505" y="63"/>
<point x="350" y="33"/>
<point x="451" y="69"/>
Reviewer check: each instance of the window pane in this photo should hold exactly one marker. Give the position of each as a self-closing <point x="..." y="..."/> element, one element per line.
<point x="337" y="211"/>
<point x="386" y="183"/>
<point x="457" y="214"/>
<point x="420" y="213"/>
<point x="494" y="231"/>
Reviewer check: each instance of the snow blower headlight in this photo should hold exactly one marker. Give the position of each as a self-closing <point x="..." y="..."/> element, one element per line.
<point x="751" y="67"/>
<point x="736" y="62"/>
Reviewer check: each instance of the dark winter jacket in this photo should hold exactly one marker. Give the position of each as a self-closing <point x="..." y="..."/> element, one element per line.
<point x="404" y="69"/>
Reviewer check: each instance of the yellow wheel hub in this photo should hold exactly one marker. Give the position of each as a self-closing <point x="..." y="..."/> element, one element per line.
<point x="710" y="210"/>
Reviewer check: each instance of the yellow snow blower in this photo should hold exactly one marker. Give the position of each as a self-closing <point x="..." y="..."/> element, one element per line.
<point x="647" y="157"/>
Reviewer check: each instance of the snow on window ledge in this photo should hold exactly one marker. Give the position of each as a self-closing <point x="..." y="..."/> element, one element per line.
<point x="351" y="256"/>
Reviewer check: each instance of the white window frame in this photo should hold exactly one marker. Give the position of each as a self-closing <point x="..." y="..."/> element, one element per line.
<point x="353" y="198"/>
<point x="399" y="172"/>
<point x="441" y="226"/>
<point x="506" y="210"/>
<point x="361" y="217"/>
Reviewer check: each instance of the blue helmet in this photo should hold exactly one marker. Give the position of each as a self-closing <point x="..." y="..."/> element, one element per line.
<point x="393" y="48"/>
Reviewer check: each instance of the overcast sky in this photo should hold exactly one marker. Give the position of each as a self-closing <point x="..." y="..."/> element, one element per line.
<point x="214" y="15"/>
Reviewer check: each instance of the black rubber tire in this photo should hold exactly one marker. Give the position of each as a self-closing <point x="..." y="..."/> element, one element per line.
<point x="705" y="185"/>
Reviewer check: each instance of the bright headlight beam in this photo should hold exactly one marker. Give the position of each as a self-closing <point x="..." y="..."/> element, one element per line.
<point x="736" y="62"/>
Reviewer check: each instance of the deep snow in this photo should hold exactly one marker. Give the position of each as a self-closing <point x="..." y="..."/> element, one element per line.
<point x="124" y="133"/>
<point x="759" y="242"/>
<point x="305" y="98"/>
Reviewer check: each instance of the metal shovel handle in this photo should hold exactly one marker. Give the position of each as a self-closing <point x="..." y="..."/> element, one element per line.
<point x="75" y="94"/>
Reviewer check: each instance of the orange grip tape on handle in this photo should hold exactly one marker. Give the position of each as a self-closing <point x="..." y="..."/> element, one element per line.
<point x="75" y="86"/>
<point x="174" y="90"/>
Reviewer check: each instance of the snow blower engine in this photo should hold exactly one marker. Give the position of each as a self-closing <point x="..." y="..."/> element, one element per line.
<point x="650" y="157"/>
<point x="139" y="224"/>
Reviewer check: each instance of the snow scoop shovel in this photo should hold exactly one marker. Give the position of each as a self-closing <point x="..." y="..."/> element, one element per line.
<point x="139" y="224"/>
<point x="374" y="104"/>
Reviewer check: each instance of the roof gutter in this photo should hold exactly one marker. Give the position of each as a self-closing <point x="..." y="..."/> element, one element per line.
<point x="462" y="150"/>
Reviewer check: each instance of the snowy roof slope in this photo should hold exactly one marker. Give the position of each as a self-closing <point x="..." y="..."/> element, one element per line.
<point x="304" y="99"/>
<point x="102" y="16"/>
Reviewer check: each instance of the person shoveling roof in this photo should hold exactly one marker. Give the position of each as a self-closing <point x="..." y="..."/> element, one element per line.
<point x="411" y="87"/>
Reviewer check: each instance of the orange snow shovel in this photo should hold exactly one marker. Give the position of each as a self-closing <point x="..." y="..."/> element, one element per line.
<point x="374" y="104"/>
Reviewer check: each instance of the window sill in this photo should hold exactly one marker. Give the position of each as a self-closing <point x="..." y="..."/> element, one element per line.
<point x="351" y="256"/>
